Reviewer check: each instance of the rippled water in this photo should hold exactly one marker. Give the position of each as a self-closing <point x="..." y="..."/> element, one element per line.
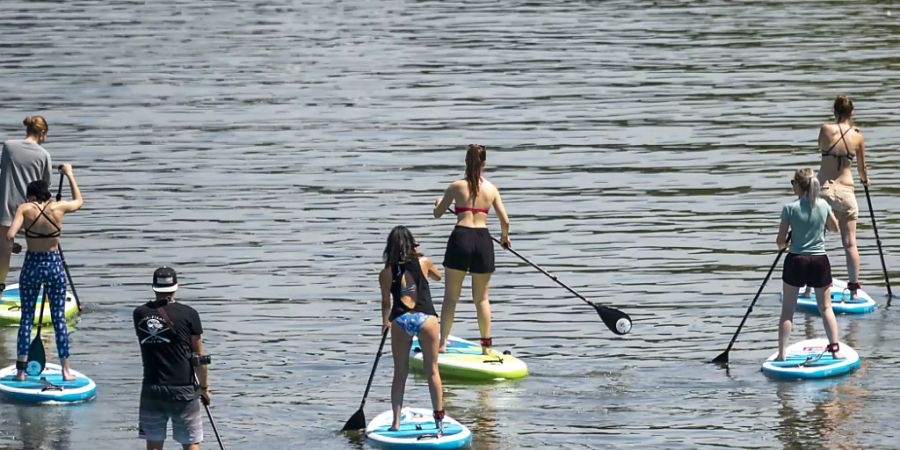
<point x="643" y="150"/>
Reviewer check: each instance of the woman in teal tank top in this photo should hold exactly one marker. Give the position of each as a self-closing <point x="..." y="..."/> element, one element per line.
<point x="806" y="263"/>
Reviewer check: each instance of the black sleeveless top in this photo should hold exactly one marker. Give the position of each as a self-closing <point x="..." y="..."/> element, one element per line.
<point x="416" y="287"/>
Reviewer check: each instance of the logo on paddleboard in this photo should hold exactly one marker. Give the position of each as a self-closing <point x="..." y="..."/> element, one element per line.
<point x="623" y="325"/>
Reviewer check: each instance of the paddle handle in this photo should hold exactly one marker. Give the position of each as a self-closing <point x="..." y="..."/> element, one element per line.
<point x="62" y="178"/>
<point x="887" y="280"/>
<point x="374" y="367"/>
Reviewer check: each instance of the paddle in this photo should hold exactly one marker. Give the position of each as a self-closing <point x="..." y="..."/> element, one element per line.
<point x="358" y="420"/>
<point x="723" y="358"/>
<point x="212" y="421"/>
<point x="887" y="281"/>
<point x="59" y="247"/>
<point x="617" y="321"/>
<point x="37" y="359"/>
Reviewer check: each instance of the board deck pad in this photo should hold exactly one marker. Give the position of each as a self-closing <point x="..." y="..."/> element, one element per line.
<point x="841" y="303"/>
<point x="47" y="387"/>
<point x="417" y="431"/>
<point x="464" y="360"/>
<point x="805" y="360"/>
<point x="11" y="309"/>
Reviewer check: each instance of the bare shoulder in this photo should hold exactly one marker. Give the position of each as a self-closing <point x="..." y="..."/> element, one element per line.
<point x="425" y="263"/>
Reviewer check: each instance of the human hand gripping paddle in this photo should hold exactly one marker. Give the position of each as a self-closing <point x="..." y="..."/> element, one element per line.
<point x="62" y="177"/>
<point x="887" y="281"/>
<point x="358" y="420"/>
<point x="723" y="358"/>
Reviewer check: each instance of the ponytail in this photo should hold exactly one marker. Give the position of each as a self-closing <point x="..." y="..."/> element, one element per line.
<point x="809" y="185"/>
<point x="475" y="157"/>
<point x="813" y="194"/>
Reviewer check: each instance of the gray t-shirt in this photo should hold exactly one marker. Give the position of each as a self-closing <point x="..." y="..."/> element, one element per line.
<point x="807" y="225"/>
<point x="20" y="163"/>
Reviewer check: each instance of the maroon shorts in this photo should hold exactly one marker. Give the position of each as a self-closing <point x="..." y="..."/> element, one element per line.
<point x="807" y="270"/>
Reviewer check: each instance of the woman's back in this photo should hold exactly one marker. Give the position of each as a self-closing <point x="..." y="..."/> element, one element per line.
<point x="839" y="144"/>
<point x="807" y="225"/>
<point x="43" y="224"/>
<point x="473" y="212"/>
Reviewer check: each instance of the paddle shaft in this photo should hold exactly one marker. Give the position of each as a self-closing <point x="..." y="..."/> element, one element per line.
<point x="750" y="309"/>
<point x="62" y="177"/>
<point x="374" y="366"/>
<point x="212" y="422"/>
<point x="552" y="277"/>
<point x="887" y="281"/>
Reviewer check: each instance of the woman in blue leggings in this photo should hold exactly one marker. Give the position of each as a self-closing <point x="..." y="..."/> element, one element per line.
<point x="42" y="219"/>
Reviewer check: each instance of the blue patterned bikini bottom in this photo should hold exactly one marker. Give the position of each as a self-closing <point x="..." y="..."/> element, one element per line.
<point x="412" y="322"/>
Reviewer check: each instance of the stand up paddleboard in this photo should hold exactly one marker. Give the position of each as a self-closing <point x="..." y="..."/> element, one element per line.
<point x="841" y="303"/>
<point x="48" y="387"/>
<point x="11" y="309"/>
<point x="805" y="360"/>
<point x="417" y="431"/>
<point x="464" y="361"/>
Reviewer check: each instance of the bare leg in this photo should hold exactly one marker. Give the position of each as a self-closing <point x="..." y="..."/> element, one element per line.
<point x="5" y="253"/>
<point x="480" y="283"/>
<point x="400" y="343"/>
<point x="848" y="238"/>
<point x="155" y="445"/>
<point x="452" y="288"/>
<point x="823" y="301"/>
<point x="428" y="339"/>
<point x="66" y="370"/>
<point x="20" y="374"/>
<point x="190" y="447"/>
<point x="788" y="304"/>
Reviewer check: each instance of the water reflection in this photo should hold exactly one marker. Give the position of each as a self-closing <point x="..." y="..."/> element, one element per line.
<point x="45" y="427"/>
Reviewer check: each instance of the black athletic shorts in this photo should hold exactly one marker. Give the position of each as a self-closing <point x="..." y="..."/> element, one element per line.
<point x="470" y="249"/>
<point x="807" y="270"/>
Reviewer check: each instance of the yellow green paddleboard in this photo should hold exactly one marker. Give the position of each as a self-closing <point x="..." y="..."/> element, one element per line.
<point x="11" y="310"/>
<point x="465" y="361"/>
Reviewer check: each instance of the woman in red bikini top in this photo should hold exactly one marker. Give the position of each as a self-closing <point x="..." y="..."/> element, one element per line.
<point x="470" y="248"/>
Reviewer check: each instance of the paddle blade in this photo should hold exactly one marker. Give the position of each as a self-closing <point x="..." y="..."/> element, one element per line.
<point x="355" y="422"/>
<point x="721" y="359"/>
<point x="617" y="321"/>
<point x="37" y="359"/>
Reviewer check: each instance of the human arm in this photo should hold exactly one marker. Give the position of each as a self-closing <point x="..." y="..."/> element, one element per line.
<point x="201" y="370"/>
<point x="77" y="201"/>
<point x="504" y="221"/>
<point x="429" y="269"/>
<point x="861" y="162"/>
<point x="384" y="281"/>
<point x="16" y="224"/>
<point x="442" y="203"/>
<point x="831" y="223"/>
<point x="782" y="235"/>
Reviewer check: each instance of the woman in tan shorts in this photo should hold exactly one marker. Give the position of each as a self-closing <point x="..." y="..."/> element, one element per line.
<point x="840" y="144"/>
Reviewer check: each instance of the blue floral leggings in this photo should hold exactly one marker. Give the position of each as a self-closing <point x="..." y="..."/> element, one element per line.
<point x="43" y="268"/>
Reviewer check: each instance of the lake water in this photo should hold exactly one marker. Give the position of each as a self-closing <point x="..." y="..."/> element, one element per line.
<point x="643" y="150"/>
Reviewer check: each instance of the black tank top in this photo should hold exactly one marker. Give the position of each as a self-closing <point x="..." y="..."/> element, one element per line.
<point x="415" y="281"/>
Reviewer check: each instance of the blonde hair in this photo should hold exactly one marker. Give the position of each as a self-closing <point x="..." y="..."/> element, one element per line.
<point x="36" y="126"/>
<point x="809" y="184"/>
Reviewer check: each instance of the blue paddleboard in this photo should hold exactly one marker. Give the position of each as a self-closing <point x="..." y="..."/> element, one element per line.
<point x="805" y="360"/>
<point x="417" y="431"/>
<point x="841" y="303"/>
<point x="48" y="387"/>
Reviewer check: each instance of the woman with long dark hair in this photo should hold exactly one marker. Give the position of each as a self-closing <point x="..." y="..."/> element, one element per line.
<point x="470" y="248"/>
<point x="406" y="309"/>
<point x="41" y="217"/>
<point x="806" y="264"/>
<point x="840" y="143"/>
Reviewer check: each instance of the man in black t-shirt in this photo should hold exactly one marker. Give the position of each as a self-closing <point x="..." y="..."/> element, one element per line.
<point x="174" y="363"/>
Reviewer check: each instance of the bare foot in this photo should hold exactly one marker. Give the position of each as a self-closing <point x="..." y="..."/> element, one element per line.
<point x="20" y="376"/>
<point x="442" y="349"/>
<point x="67" y="376"/>
<point x="806" y="294"/>
<point x="837" y="355"/>
<point x="779" y="358"/>
<point x="394" y="427"/>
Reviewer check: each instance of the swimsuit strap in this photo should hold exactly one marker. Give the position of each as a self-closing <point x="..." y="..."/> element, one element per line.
<point x="34" y="234"/>
<point x="462" y="209"/>
<point x="846" y="147"/>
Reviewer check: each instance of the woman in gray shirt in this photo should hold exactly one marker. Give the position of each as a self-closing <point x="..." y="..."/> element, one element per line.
<point x="21" y="162"/>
